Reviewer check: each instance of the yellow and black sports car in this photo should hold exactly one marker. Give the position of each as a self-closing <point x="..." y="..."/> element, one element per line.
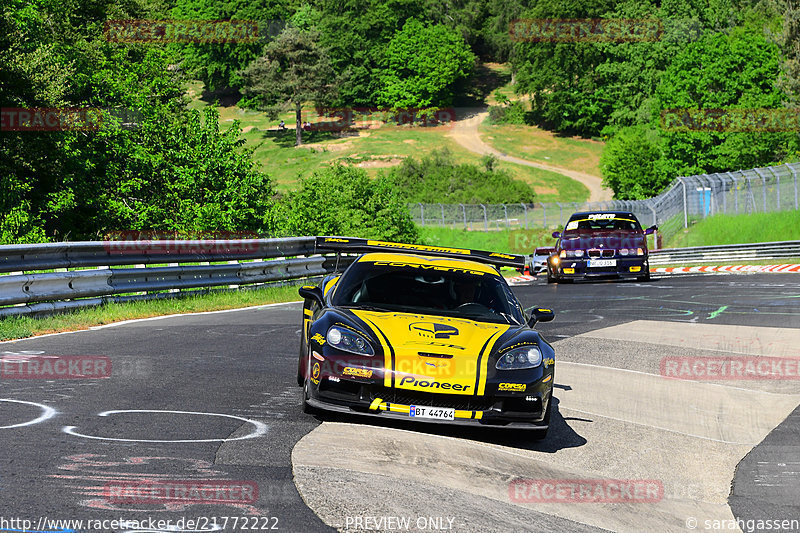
<point x="424" y="333"/>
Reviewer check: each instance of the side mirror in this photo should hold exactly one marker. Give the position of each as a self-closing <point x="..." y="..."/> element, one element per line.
<point x="540" y="315"/>
<point x="650" y="230"/>
<point x="311" y="292"/>
<point x="556" y="234"/>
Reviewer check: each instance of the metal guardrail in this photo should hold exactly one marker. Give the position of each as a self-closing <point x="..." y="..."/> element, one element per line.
<point x="249" y="262"/>
<point x="701" y="255"/>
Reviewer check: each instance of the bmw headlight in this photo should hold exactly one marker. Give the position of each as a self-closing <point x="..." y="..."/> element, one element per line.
<point x="520" y="358"/>
<point x="349" y="341"/>
<point x="574" y="253"/>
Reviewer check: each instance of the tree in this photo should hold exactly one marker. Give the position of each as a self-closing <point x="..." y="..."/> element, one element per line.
<point x="723" y="71"/>
<point x="422" y="64"/>
<point x="217" y="64"/>
<point x="294" y="69"/>
<point x="630" y="164"/>
<point x="343" y="200"/>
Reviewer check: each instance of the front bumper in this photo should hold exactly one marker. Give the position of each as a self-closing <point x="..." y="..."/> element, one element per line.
<point x="633" y="267"/>
<point x="517" y="410"/>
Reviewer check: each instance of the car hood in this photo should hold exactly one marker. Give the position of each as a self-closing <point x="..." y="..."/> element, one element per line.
<point x="605" y="240"/>
<point x="426" y="352"/>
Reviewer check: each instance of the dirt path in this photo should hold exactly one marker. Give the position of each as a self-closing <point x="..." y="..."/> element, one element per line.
<point x="465" y="133"/>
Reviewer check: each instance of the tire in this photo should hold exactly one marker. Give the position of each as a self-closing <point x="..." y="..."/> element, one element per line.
<point x="301" y="358"/>
<point x="307" y="409"/>
<point x="646" y="277"/>
<point x="551" y="279"/>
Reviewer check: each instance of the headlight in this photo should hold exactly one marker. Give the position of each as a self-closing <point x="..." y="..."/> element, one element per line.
<point x="639" y="251"/>
<point x="575" y="253"/>
<point x="349" y="341"/>
<point x="563" y="253"/>
<point x="624" y="251"/>
<point x="520" y="358"/>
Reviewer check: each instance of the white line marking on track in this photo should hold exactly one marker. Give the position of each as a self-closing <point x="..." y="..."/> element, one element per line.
<point x="260" y="428"/>
<point x="47" y="412"/>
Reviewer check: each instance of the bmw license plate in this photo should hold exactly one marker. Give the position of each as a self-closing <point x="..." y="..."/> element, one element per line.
<point x="440" y="413"/>
<point x="602" y="262"/>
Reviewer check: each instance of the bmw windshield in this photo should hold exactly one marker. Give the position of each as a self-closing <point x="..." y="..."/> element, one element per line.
<point x="452" y="292"/>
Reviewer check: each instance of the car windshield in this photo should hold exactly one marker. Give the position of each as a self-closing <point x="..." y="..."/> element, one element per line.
<point x="452" y="292"/>
<point x="602" y="222"/>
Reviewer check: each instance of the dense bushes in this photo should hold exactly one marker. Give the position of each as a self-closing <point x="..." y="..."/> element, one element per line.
<point x="439" y="178"/>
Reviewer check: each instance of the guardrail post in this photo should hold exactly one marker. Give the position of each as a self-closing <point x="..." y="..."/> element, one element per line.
<point x="485" y="219"/>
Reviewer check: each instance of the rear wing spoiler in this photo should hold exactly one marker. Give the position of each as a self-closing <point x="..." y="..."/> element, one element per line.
<point x="355" y="245"/>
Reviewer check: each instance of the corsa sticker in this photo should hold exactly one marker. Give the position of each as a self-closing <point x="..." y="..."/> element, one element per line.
<point x="433" y="330"/>
<point x="318" y="338"/>
<point x="357" y="372"/>
<point x="517" y="387"/>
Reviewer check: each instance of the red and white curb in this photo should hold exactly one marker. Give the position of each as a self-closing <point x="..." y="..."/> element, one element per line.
<point x="728" y="268"/>
<point x="521" y="280"/>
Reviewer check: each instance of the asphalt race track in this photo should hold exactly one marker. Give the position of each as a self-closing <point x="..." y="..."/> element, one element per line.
<point x="211" y="398"/>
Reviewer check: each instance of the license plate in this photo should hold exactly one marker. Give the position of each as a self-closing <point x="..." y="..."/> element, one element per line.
<point x="440" y="413"/>
<point x="602" y="262"/>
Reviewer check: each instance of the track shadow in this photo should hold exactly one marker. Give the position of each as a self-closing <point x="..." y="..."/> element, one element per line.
<point x="560" y="436"/>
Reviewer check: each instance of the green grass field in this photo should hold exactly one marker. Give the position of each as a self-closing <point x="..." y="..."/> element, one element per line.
<point x="739" y="229"/>
<point x="541" y="146"/>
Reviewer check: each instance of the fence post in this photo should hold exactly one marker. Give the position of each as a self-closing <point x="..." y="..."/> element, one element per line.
<point x="505" y="212"/>
<point x="485" y="219"/>
<point x="525" y="210"/>
<point x="422" y="213"/>
<point x="735" y="193"/>
<point x="561" y="211"/>
<point x="442" y="206"/>
<point x="544" y="214"/>
<point x="777" y="186"/>
<point x="724" y="193"/>
<point x="794" y="173"/>
<point x="764" y="180"/>
<point x="464" y="213"/>
<point x="685" y="211"/>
